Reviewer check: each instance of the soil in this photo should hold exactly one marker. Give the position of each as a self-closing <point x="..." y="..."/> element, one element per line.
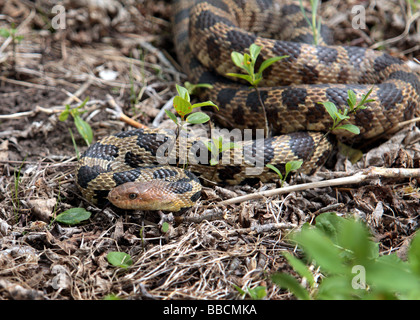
<point x="196" y="258"/>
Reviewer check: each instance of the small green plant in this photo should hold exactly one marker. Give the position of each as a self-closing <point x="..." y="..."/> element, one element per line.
<point x="289" y="167"/>
<point x="216" y="146"/>
<point x="339" y="116"/>
<point x="119" y="259"/>
<point x="184" y="107"/>
<point x="16" y="202"/>
<point x="73" y="216"/>
<point x="257" y="293"/>
<point x="313" y="23"/>
<point x="12" y="32"/>
<point x="350" y="263"/>
<point x="247" y="63"/>
<point x="82" y="126"/>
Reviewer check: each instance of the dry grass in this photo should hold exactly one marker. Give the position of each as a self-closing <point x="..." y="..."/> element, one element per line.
<point x="197" y="258"/>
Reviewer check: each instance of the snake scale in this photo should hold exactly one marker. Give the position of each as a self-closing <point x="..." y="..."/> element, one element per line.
<point x="205" y="34"/>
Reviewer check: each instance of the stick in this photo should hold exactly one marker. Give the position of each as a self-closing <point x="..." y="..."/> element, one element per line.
<point x="364" y="175"/>
<point x="117" y="113"/>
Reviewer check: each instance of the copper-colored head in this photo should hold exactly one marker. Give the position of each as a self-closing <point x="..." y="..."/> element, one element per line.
<point x="152" y="195"/>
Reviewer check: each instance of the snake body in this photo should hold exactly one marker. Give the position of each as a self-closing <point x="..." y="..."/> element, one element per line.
<point x="205" y="34"/>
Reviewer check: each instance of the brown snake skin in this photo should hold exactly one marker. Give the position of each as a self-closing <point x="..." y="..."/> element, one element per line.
<point x="205" y="34"/>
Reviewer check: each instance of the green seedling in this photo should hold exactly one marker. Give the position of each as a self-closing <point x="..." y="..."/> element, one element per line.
<point x="315" y="22"/>
<point x="12" y="32"/>
<point x="247" y="62"/>
<point x="350" y="263"/>
<point x="257" y="293"/>
<point x="184" y="107"/>
<point x="82" y="126"/>
<point x="289" y="167"/>
<point x="339" y="116"/>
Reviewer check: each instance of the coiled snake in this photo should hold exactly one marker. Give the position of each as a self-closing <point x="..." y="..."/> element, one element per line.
<point x="205" y="34"/>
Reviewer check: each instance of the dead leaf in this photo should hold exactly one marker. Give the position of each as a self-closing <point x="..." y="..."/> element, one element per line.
<point x="43" y="208"/>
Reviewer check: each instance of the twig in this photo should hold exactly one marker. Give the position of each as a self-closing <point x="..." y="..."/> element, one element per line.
<point x="117" y="113"/>
<point x="263" y="228"/>
<point x="74" y="96"/>
<point x="401" y="36"/>
<point x="364" y="175"/>
<point x="27" y="84"/>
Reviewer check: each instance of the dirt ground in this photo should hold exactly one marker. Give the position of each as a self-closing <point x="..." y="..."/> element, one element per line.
<point x="122" y="54"/>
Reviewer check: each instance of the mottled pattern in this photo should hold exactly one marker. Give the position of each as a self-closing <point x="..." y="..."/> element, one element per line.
<point x="205" y="34"/>
<point x="292" y="87"/>
<point x="101" y="168"/>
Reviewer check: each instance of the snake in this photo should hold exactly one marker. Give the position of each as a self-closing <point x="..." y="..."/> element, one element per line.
<point x="135" y="169"/>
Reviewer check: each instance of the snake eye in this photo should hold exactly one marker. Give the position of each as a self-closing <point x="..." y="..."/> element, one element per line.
<point x="132" y="196"/>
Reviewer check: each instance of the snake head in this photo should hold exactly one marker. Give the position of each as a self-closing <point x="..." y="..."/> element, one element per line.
<point x="150" y="195"/>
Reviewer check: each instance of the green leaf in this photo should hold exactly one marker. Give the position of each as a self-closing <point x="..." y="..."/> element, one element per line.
<point x="119" y="259"/>
<point x="83" y="103"/>
<point x="414" y="254"/>
<point x="269" y="62"/>
<point x="331" y="109"/>
<point x="341" y="116"/>
<point x="329" y="223"/>
<point x="286" y="281"/>
<point x="241" y="76"/>
<point x="257" y="293"/>
<point x="365" y="98"/>
<point x="276" y="170"/>
<point x="197" y="117"/>
<point x="192" y="87"/>
<point x="203" y="104"/>
<point x="293" y="165"/>
<point x="171" y="116"/>
<point x="4" y="33"/>
<point x="389" y="273"/>
<point x="111" y="296"/>
<point x="213" y="162"/>
<point x="338" y="287"/>
<point x="183" y="93"/>
<point x="300" y="268"/>
<point x="64" y="115"/>
<point x="248" y="64"/>
<point x="84" y="129"/>
<point x="254" y="51"/>
<point x="320" y="248"/>
<point x="352" y="100"/>
<point x="349" y="127"/>
<point x="237" y="59"/>
<point x="239" y="289"/>
<point x="229" y="146"/>
<point x="354" y="237"/>
<point x="182" y="106"/>
<point x="73" y="216"/>
<point x="165" y="227"/>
